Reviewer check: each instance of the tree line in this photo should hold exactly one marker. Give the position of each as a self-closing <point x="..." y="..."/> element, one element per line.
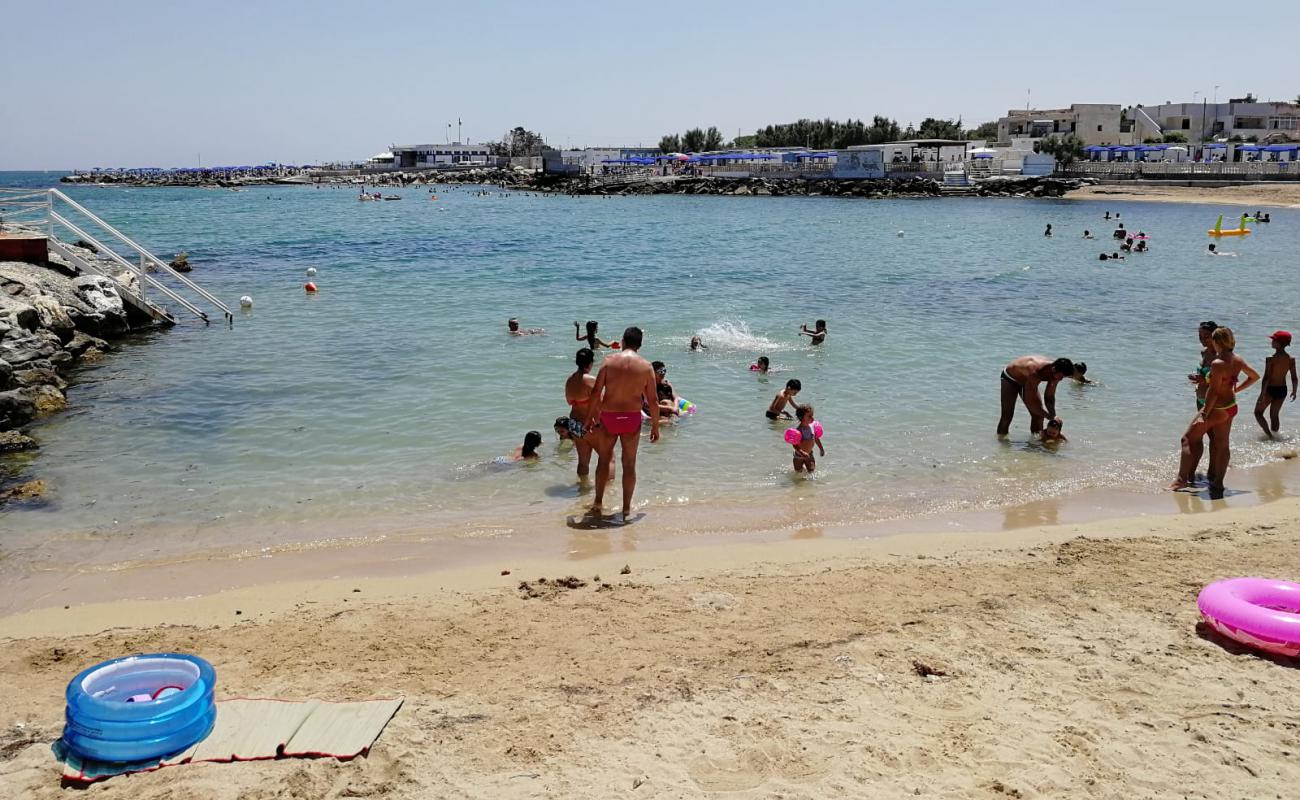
<point x="825" y="134"/>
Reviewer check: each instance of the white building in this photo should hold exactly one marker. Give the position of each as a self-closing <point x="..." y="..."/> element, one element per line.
<point x="424" y="156"/>
<point x="1245" y="118"/>
<point x="1094" y="123"/>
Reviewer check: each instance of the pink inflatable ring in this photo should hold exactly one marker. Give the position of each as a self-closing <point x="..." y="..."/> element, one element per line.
<point x="1258" y="612"/>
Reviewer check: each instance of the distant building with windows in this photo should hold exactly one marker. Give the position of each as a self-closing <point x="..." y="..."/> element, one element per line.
<point x="1094" y="123"/>
<point x="1269" y="122"/>
<point x="427" y="156"/>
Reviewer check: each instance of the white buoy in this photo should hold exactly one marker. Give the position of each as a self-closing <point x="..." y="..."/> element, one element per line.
<point x="311" y="271"/>
<point x="245" y="302"/>
<point x="900" y="234"/>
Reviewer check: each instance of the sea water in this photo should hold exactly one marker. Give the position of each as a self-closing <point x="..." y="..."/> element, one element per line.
<point x="387" y="395"/>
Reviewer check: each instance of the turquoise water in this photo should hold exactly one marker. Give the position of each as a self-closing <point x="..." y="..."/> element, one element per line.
<point x="387" y="394"/>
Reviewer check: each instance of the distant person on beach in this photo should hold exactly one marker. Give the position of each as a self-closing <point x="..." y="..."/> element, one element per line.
<point x="817" y="336"/>
<point x="761" y="366"/>
<point x="1277" y="368"/>
<point x="664" y="391"/>
<point x="512" y="325"/>
<point x="577" y="393"/>
<point x="1107" y="215"/>
<point x="593" y="341"/>
<point x="626" y="382"/>
<point x="785" y="397"/>
<point x="1119" y="233"/>
<point x="1020" y="380"/>
<point x="1214" y="418"/>
<point x="696" y="344"/>
<point x="803" y="459"/>
<point x="528" y="450"/>
<point x="1048" y="232"/>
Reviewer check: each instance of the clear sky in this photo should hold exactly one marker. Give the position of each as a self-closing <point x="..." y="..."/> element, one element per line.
<point x="163" y="83"/>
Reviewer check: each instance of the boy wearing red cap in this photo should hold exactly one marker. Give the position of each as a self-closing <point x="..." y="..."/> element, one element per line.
<point x="1273" y="393"/>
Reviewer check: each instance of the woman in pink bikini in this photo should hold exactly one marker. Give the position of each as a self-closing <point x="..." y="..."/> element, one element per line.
<point x="1214" y="418"/>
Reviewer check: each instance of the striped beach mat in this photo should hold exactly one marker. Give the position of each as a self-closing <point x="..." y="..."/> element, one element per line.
<point x="252" y="729"/>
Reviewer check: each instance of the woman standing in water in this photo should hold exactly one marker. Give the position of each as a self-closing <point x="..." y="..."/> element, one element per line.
<point x="1214" y="418"/>
<point x="593" y="341"/>
<point x="577" y="393"/>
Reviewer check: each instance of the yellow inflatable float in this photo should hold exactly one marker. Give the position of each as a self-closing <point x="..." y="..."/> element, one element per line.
<point x="1219" y="231"/>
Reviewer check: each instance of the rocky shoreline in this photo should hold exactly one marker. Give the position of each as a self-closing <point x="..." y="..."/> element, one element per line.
<point x="51" y="319"/>
<point x="1028" y="186"/>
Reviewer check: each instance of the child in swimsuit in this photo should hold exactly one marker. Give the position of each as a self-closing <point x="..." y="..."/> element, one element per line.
<point x="817" y="336"/>
<point x="803" y="455"/>
<point x="528" y="450"/>
<point x="1052" y="432"/>
<point x="761" y="366"/>
<point x="1277" y="368"/>
<point x="783" y="398"/>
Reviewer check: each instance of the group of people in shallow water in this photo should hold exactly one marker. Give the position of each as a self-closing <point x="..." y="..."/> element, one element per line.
<point x="1218" y="380"/>
<point x="608" y="410"/>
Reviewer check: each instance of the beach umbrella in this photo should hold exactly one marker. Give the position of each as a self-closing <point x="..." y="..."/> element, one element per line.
<point x="983" y="155"/>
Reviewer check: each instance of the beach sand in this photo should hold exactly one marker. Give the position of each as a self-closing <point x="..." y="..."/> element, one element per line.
<point x="1052" y="662"/>
<point x="1273" y="195"/>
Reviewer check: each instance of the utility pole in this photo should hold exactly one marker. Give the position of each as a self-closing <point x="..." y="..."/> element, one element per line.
<point x="458" y="130"/>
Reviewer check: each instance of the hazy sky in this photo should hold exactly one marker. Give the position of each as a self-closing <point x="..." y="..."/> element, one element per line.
<point x="153" y="83"/>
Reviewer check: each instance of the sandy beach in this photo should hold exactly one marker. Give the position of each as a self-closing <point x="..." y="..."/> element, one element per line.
<point x="1049" y="662"/>
<point x="1273" y="195"/>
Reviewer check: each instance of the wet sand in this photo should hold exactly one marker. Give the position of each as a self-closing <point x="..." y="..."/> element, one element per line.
<point x="1271" y="195"/>
<point x="1062" y="661"/>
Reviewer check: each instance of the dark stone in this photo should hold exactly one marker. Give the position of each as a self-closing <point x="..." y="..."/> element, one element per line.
<point x="33" y="347"/>
<point x="16" y="409"/>
<point x="81" y="342"/>
<point x="6" y="375"/>
<point x="36" y="376"/>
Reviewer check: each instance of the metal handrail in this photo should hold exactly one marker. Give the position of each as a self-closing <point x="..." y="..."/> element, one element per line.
<point x="144" y="254"/>
<point x="145" y="278"/>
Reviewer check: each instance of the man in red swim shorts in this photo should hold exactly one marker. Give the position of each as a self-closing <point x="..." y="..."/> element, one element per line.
<point x="625" y="385"/>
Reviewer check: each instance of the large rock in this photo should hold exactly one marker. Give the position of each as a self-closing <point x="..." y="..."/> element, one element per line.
<point x="14" y="442"/>
<point x="45" y="399"/>
<point x="16" y="409"/>
<point x="82" y="342"/>
<point x="37" y="346"/>
<point x="107" y="314"/>
<point x="38" y="376"/>
<point x="15" y="313"/>
<point x="53" y="317"/>
<point x="6" y="375"/>
<point x="23" y="492"/>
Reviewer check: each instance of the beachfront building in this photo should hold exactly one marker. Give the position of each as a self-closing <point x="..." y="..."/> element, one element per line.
<point x="425" y="156"/>
<point x="1243" y="119"/>
<point x="591" y="159"/>
<point x="1094" y="123"/>
<point x="897" y="155"/>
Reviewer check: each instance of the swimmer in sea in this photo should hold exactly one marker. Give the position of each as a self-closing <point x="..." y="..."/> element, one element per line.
<point x="1048" y="232"/>
<point x="761" y="366"/>
<point x="1277" y="368"/>
<point x="512" y="325"/>
<point x="784" y="398"/>
<point x="528" y="450"/>
<point x="696" y="344"/>
<point x="1215" y="251"/>
<point x="593" y="341"/>
<point x="1052" y="432"/>
<point x="803" y="455"/>
<point x="817" y="336"/>
<point x="1020" y="380"/>
<point x="1088" y="235"/>
<point x="664" y="391"/>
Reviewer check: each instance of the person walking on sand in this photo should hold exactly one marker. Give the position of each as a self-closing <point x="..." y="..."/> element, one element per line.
<point x="1020" y="381"/>
<point x="1214" y="419"/>
<point x="625" y="384"/>
<point x="1277" y="368"/>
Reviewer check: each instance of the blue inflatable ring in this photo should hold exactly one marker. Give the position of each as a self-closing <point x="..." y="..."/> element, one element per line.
<point x="140" y="707"/>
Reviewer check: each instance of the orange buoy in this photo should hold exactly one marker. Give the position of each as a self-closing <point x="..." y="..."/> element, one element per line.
<point x="310" y="287"/>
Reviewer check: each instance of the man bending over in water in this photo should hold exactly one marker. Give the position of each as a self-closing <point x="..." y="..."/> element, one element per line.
<point x="1020" y="381"/>
<point x="625" y="384"/>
